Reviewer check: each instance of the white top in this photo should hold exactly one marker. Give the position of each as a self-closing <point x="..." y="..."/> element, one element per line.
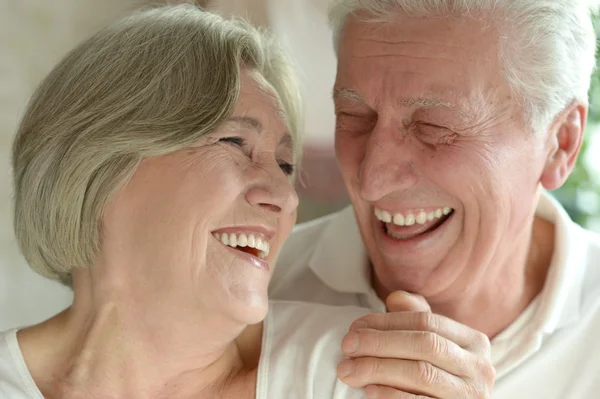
<point x="301" y="349"/>
<point x="551" y="351"/>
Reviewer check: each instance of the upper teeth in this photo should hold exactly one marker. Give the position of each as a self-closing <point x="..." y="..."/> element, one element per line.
<point x="244" y="240"/>
<point x="410" y="218"/>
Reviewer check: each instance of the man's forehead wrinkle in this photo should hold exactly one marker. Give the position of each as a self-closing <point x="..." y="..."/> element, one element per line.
<point x="399" y="41"/>
<point x="434" y="57"/>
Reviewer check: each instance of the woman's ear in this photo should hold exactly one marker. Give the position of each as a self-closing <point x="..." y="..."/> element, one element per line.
<point x="565" y="143"/>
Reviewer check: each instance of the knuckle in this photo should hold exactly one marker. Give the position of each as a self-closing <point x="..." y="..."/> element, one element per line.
<point x="365" y="321"/>
<point x="371" y="342"/>
<point x="389" y="321"/>
<point x="379" y="342"/>
<point x="485" y="370"/>
<point x="481" y="387"/>
<point x="425" y="321"/>
<point x="483" y="341"/>
<point x="376" y="367"/>
<point x="477" y="392"/>
<point x="489" y="373"/>
<point x="427" y="374"/>
<point x="367" y="368"/>
<point x="433" y="344"/>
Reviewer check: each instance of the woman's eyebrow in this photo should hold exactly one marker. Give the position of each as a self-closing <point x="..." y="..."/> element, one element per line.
<point x="247" y="122"/>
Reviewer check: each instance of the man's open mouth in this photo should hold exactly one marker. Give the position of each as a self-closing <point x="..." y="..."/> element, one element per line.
<point x="409" y="225"/>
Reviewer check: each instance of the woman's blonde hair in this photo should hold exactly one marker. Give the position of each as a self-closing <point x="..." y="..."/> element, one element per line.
<point x="148" y="85"/>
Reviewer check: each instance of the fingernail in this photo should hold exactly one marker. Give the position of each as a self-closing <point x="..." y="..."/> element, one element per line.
<point x="350" y="342"/>
<point x="345" y="368"/>
<point x="358" y="324"/>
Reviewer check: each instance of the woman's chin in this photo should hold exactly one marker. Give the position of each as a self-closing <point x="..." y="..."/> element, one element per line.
<point x="251" y="309"/>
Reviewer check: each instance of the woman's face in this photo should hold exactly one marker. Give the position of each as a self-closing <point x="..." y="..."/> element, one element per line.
<point x="200" y="228"/>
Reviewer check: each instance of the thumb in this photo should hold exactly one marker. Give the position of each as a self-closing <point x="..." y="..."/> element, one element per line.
<point x="402" y="301"/>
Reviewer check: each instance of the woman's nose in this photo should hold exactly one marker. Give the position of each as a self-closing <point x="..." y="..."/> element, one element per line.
<point x="273" y="191"/>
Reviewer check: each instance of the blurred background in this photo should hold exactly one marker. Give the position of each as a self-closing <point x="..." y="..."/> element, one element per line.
<point x="35" y="34"/>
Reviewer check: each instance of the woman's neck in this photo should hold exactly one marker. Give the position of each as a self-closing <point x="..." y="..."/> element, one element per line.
<point x="112" y="350"/>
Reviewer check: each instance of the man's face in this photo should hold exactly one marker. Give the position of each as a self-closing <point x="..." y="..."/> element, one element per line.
<point x="440" y="168"/>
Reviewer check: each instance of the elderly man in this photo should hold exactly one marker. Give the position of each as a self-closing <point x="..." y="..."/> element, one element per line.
<point x="454" y="119"/>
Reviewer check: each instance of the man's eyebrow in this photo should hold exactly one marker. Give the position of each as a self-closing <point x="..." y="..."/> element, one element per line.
<point x="247" y="122"/>
<point x="427" y="102"/>
<point x="348" y="94"/>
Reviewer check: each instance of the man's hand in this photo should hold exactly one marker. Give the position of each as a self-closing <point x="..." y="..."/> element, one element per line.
<point x="413" y="353"/>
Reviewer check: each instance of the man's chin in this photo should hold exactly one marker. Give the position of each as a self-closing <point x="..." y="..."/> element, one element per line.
<point x="393" y="276"/>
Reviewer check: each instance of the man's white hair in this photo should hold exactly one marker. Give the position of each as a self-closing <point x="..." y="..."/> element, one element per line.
<point x="547" y="46"/>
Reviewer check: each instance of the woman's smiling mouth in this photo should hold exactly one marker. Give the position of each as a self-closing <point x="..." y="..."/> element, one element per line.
<point x="255" y="244"/>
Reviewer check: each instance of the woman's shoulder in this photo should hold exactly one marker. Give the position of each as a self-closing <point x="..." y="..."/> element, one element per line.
<point x="302" y="348"/>
<point x="330" y="318"/>
<point x="15" y="380"/>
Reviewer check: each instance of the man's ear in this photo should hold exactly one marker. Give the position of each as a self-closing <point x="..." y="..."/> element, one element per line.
<point x="564" y="145"/>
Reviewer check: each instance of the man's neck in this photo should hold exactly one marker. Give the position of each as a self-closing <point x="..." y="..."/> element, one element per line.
<point x="509" y="286"/>
<point x="108" y="354"/>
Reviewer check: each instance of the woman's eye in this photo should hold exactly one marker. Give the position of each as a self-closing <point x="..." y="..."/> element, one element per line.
<point x="287" y="168"/>
<point x="239" y="141"/>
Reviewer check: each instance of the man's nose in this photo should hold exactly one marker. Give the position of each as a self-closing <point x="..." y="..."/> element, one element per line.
<point x="387" y="165"/>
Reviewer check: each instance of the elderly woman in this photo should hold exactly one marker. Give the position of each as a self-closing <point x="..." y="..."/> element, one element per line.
<point x="153" y="174"/>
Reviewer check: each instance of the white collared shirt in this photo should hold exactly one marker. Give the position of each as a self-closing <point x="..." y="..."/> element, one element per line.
<point x="552" y="351"/>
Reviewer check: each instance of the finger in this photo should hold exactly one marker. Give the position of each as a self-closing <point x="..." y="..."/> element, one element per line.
<point x="402" y="301"/>
<point x="411" y="345"/>
<point x="416" y="377"/>
<point x="458" y="333"/>
<point x="381" y="392"/>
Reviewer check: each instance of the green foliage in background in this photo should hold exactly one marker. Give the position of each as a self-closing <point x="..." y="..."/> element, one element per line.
<point x="581" y="193"/>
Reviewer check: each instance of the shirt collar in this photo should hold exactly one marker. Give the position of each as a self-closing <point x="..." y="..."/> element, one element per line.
<point x="340" y="259"/>
<point x="559" y="300"/>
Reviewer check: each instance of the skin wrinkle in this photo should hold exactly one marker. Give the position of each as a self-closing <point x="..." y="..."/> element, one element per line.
<point x="363" y="56"/>
<point x="383" y="41"/>
<point x="479" y="166"/>
<point x="162" y="284"/>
